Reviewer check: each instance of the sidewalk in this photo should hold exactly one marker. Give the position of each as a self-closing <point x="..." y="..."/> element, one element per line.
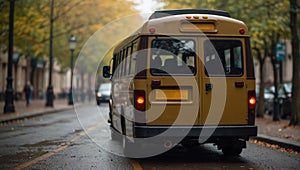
<point x="277" y="133"/>
<point x="37" y="107"/>
<point x="278" y="129"/>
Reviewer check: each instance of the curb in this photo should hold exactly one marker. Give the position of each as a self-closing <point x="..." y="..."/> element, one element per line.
<point x="284" y="143"/>
<point x="33" y="114"/>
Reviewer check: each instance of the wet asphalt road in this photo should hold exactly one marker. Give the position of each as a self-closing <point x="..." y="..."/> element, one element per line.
<point x="67" y="140"/>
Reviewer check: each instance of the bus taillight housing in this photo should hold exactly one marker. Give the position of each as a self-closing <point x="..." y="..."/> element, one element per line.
<point x="139" y="100"/>
<point x="251" y="107"/>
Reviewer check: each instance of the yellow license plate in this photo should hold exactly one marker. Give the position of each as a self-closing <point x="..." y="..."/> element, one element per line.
<point x="171" y="94"/>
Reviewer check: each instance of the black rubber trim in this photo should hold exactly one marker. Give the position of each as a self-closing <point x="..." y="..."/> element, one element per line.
<point x="194" y="131"/>
<point x="164" y="13"/>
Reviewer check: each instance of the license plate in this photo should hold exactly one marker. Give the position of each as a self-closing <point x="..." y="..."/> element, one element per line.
<point x="171" y="94"/>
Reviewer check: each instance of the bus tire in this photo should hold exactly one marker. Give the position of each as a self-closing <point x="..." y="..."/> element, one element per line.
<point x="229" y="151"/>
<point x="233" y="148"/>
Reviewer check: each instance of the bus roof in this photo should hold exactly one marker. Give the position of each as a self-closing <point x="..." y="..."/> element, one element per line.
<point x="164" y="13"/>
<point x="191" y="24"/>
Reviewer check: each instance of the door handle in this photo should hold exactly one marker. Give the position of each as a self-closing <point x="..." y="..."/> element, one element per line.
<point x="208" y="86"/>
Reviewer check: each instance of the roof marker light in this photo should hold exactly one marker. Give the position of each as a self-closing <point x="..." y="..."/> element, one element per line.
<point x="205" y="17"/>
<point x="188" y="17"/>
<point x="152" y="30"/>
<point x="242" y="31"/>
<point x="196" y="17"/>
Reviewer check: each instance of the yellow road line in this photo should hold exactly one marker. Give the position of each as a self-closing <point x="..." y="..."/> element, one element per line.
<point x="64" y="146"/>
<point x="136" y="165"/>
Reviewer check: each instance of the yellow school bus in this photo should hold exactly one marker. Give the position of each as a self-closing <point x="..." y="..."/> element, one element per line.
<point x="187" y="77"/>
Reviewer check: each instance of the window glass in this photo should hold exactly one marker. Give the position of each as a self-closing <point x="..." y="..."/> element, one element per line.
<point x="114" y="65"/>
<point x="223" y="57"/>
<point x="120" y="63"/>
<point x="173" y="57"/>
<point x="117" y="65"/>
<point x="133" y="58"/>
<point x="128" y="61"/>
<point x="124" y="62"/>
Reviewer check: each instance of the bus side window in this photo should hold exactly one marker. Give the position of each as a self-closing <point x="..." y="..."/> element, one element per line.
<point x="120" y="63"/>
<point x="133" y="58"/>
<point x="124" y="61"/>
<point x="116" y="71"/>
<point x="128" y="63"/>
<point x="114" y="64"/>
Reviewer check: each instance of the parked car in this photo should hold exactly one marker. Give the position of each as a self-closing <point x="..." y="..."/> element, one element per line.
<point x="268" y="98"/>
<point x="103" y="93"/>
<point x="284" y="96"/>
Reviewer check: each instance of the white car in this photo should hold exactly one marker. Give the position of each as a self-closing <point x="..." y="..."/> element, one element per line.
<point x="103" y="93"/>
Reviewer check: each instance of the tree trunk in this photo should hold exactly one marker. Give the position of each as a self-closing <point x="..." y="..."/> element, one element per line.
<point x="276" y="107"/>
<point x="83" y="94"/>
<point x="90" y="89"/>
<point x="295" y="119"/>
<point x="261" y="100"/>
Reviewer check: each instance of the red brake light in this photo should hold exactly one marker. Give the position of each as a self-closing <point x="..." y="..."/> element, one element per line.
<point x="251" y="107"/>
<point x="251" y="100"/>
<point x="156" y="82"/>
<point x="139" y="100"/>
<point x="239" y="84"/>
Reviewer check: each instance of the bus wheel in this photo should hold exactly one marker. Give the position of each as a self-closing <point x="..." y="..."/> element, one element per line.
<point x="233" y="148"/>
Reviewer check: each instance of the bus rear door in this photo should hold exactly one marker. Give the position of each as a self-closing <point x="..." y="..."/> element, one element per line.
<point x="224" y="88"/>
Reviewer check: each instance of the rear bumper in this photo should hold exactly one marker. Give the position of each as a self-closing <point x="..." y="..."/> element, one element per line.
<point x="195" y="131"/>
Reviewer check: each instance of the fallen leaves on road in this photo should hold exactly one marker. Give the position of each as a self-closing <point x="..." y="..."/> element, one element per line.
<point x="274" y="147"/>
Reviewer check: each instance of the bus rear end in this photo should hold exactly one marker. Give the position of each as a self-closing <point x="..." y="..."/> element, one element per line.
<point x="199" y="89"/>
<point x="194" y="83"/>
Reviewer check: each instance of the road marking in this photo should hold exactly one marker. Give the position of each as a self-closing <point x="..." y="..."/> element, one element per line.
<point x="136" y="165"/>
<point x="62" y="147"/>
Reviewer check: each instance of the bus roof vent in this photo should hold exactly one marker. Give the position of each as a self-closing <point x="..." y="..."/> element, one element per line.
<point x="164" y="13"/>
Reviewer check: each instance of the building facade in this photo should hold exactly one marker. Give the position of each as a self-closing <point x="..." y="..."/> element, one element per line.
<point x="29" y="69"/>
<point x="287" y="68"/>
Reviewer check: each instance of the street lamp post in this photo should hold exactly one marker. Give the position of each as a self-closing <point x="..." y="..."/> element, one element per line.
<point x="50" y="94"/>
<point x="9" y="96"/>
<point x="72" y="45"/>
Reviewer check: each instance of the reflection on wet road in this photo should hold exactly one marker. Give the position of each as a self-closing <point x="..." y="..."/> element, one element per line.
<point x="67" y="140"/>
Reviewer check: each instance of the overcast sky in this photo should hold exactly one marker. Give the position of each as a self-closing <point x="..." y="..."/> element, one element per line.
<point x="147" y="6"/>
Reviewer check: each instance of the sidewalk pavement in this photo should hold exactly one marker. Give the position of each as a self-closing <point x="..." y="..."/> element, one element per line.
<point x="277" y="133"/>
<point x="37" y="107"/>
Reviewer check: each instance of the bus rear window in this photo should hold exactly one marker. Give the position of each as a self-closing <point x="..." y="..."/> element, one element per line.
<point x="223" y="58"/>
<point x="173" y="57"/>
